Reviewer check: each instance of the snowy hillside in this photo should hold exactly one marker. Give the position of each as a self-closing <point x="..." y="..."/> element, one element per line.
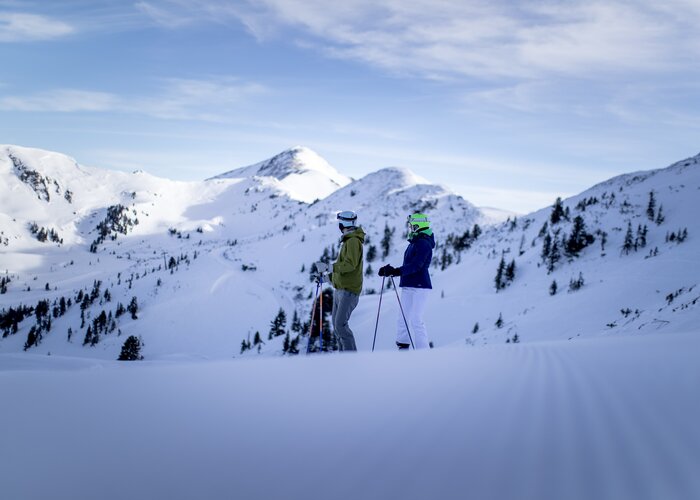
<point x="634" y="266"/>
<point x="210" y="263"/>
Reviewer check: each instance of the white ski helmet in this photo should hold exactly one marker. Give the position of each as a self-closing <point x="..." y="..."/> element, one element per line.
<point x="346" y="219"/>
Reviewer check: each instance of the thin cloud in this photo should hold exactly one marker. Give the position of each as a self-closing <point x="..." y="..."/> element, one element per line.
<point x="483" y="40"/>
<point x="163" y="16"/>
<point x="23" y="27"/>
<point x="61" y="101"/>
<point x="178" y="99"/>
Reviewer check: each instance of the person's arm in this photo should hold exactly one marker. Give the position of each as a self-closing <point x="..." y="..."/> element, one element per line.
<point x="352" y="257"/>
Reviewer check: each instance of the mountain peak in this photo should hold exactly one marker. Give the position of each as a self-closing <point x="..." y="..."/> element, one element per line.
<point x="295" y="160"/>
<point x="396" y="178"/>
<point x="299" y="171"/>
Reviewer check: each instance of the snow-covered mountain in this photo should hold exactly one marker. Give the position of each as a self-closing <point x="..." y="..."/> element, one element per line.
<point x="239" y="242"/>
<point x="583" y="391"/>
<point x="299" y="172"/>
<point x="210" y="263"/>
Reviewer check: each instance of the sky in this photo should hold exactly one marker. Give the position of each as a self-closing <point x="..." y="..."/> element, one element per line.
<point x="508" y="103"/>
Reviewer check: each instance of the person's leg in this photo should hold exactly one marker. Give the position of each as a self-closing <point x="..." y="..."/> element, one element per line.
<point x="418" y="330"/>
<point x="402" y="336"/>
<point x="346" y="303"/>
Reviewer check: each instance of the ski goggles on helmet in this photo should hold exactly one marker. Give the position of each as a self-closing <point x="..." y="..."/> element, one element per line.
<point x="416" y="222"/>
<point x="346" y="219"/>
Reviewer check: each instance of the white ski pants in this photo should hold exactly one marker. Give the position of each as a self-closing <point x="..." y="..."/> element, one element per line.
<point x="413" y="301"/>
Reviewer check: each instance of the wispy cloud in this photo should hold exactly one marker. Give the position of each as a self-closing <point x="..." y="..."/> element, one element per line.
<point x="178" y="99"/>
<point x="63" y="101"/>
<point x="163" y="16"/>
<point x="555" y="56"/>
<point x="23" y="27"/>
<point x="490" y="39"/>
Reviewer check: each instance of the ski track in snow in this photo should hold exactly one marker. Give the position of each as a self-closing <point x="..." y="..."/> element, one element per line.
<point x="606" y="419"/>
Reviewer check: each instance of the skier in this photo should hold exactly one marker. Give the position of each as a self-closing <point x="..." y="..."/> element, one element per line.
<point x="346" y="276"/>
<point x="415" y="282"/>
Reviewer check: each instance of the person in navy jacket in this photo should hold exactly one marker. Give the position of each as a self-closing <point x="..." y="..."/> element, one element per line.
<point x="415" y="282"/>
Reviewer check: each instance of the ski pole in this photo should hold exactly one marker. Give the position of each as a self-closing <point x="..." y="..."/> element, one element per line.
<point x="379" y="309"/>
<point x="311" y="325"/>
<point x="402" y="314"/>
<point x="320" y="317"/>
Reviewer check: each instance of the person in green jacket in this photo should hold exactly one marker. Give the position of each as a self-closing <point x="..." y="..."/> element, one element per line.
<point x="346" y="276"/>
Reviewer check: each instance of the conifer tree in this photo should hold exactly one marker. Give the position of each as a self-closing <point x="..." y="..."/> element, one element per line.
<point x="131" y="350"/>
<point x="296" y="323"/>
<point x="294" y="346"/>
<point x="476" y="231"/>
<point x="553" y="288"/>
<point x="386" y="240"/>
<point x="628" y="244"/>
<point x="120" y="310"/>
<point x="133" y="308"/>
<point x="32" y="338"/>
<point x="579" y="238"/>
<point x="499" y="274"/>
<point x="499" y="321"/>
<point x="641" y="239"/>
<point x="278" y="325"/>
<point x="88" y="336"/>
<point x="660" y="217"/>
<point x="576" y="284"/>
<point x="546" y="247"/>
<point x="557" y="212"/>
<point x="554" y="256"/>
<point x="651" y="206"/>
<point x="371" y="253"/>
<point x="510" y="271"/>
<point x="245" y="345"/>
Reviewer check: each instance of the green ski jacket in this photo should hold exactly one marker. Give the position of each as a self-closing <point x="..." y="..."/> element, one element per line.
<point x="348" y="269"/>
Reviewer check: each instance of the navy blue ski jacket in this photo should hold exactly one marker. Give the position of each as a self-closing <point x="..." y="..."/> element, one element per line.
<point x="416" y="262"/>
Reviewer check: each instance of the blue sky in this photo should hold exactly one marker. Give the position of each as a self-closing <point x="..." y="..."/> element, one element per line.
<point x="508" y="103"/>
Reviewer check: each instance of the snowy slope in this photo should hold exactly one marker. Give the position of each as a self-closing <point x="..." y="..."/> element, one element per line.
<point x="604" y="419"/>
<point x="652" y="288"/>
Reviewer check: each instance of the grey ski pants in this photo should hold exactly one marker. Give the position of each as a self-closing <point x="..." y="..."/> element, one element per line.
<point x="344" y="303"/>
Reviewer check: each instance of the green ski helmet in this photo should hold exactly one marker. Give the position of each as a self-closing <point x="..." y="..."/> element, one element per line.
<point x="418" y="222"/>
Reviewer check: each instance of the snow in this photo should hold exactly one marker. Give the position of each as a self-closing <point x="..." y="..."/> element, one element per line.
<point x="597" y="400"/>
<point x="299" y="172"/>
<point x="610" y="418"/>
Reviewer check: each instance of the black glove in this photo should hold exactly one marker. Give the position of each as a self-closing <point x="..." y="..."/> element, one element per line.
<point x="389" y="270"/>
